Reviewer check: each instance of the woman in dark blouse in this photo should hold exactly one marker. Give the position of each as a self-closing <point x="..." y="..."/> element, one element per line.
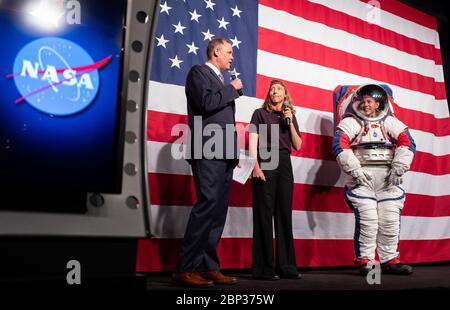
<point x="272" y="184"/>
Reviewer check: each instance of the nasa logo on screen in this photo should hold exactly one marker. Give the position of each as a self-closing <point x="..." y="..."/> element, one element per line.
<point x="56" y="76"/>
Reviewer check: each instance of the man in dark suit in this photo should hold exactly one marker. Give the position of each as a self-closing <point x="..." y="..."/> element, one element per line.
<point x="212" y="154"/>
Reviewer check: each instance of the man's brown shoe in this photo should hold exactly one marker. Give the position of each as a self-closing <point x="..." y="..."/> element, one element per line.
<point x="218" y="277"/>
<point x="190" y="279"/>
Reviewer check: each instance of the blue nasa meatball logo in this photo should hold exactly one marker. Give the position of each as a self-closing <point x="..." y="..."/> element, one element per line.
<point x="56" y="76"/>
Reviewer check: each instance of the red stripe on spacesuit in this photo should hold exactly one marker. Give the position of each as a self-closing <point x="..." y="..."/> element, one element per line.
<point x="360" y="262"/>
<point x="403" y="140"/>
<point x="392" y="262"/>
<point x="344" y="141"/>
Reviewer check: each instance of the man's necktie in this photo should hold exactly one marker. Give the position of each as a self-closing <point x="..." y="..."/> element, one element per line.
<point x="221" y="78"/>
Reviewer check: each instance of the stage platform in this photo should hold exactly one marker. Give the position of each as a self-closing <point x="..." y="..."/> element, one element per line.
<point x="425" y="277"/>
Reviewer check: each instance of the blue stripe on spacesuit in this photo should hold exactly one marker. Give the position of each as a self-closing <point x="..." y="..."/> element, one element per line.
<point x="399" y="228"/>
<point x="336" y="146"/>
<point x="348" y="191"/>
<point x="357" y="226"/>
<point x="412" y="145"/>
<point x="349" y="204"/>
<point x="357" y="234"/>
<point x="398" y="198"/>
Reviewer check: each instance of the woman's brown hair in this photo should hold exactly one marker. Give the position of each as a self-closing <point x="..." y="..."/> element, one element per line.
<point x="268" y="104"/>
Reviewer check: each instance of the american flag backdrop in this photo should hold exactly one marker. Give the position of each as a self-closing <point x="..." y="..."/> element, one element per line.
<point x="314" y="46"/>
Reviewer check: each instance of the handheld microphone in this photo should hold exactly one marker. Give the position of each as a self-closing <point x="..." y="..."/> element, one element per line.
<point x="234" y="77"/>
<point x="286" y="105"/>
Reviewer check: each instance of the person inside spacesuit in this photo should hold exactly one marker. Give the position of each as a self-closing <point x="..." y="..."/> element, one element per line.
<point x="375" y="150"/>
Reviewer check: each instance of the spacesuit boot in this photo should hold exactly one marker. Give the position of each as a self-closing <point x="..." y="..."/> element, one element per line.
<point x="365" y="269"/>
<point x="397" y="268"/>
<point x="364" y="265"/>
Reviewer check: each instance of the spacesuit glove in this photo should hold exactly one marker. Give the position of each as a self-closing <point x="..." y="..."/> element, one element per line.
<point x="360" y="176"/>
<point x="396" y="176"/>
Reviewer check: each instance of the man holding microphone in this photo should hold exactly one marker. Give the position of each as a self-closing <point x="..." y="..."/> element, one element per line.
<point x="211" y="100"/>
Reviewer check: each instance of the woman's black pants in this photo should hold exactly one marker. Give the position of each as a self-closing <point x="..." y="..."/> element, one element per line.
<point x="273" y="199"/>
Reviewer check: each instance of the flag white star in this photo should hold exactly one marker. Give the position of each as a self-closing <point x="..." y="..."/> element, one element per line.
<point x="165" y="8"/>
<point x="179" y="28"/>
<point x="162" y="41"/>
<point x="192" y="48"/>
<point x="208" y="35"/>
<point x="223" y="23"/>
<point x="236" y="12"/>
<point x="175" y="62"/>
<point x="210" y="4"/>
<point x="195" y="16"/>
<point x="236" y="42"/>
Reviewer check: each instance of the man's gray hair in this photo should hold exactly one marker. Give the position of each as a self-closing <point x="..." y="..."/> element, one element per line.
<point x="214" y="43"/>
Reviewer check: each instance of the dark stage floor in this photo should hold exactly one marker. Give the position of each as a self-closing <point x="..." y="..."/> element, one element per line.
<point x="428" y="277"/>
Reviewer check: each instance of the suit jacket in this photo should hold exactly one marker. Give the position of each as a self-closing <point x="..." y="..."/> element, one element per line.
<point x="213" y="101"/>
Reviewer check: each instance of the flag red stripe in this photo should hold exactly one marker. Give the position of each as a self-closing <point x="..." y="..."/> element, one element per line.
<point x="338" y="20"/>
<point x="321" y="99"/>
<point x="430" y="206"/>
<point x="304" y="96"/>
<point x="161" y="254"/>
<point x="314" y="146"/>
<point x="160" y="125"/>
<point x="407" y="12"/>
<point x="306" y="197"/>
<point x="282" y="44"/>
<point x="423" y="121"/>
<point x="428" y="163"/>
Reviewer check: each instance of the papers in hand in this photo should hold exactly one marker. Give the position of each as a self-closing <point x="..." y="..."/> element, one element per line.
<point x="246" y="164"/>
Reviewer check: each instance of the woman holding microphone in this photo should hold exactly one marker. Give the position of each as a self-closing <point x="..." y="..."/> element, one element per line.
<point x="273" y="184"/>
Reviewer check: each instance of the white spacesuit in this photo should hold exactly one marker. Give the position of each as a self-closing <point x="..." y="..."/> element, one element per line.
<point x="375" y="149"/>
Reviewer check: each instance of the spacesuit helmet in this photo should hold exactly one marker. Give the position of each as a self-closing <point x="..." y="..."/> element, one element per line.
<point x="378" y="94"/>
<point x="374" y="91"/>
